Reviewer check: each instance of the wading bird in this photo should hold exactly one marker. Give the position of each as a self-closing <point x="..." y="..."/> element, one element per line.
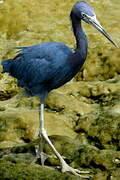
<point x="43" y="67"/>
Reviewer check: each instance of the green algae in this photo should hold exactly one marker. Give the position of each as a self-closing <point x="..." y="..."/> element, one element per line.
<point x="21" y="159"/>
<point x="22" y="171"/>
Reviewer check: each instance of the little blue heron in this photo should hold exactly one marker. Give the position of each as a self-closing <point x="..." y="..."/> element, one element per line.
<point x="43" y="67"/>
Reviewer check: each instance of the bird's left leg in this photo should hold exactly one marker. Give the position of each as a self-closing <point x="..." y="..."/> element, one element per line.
<point x="65" y="166"/>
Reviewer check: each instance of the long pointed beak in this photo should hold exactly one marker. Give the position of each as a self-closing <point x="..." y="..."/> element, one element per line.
<point x="94" y="22"/>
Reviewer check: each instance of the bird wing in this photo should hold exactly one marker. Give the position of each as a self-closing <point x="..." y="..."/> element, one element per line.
<point x="40" y="63"/>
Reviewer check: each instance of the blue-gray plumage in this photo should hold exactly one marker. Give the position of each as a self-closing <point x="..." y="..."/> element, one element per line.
<point x="43" y="67"/>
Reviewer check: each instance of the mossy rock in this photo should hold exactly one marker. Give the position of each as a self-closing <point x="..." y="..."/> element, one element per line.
<point x="23" y="171"/>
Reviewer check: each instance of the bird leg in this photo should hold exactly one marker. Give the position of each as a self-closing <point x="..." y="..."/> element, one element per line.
<point x="43" y="134"/>
<point x="40" y="152"/>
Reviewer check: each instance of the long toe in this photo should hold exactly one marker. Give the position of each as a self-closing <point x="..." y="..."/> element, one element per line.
<point x="43" y="158"/>
<point x="41" y="155"/>
<point x="66" y="167"/>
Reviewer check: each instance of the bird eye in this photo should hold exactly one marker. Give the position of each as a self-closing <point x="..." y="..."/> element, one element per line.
<point x="84" y="15"/>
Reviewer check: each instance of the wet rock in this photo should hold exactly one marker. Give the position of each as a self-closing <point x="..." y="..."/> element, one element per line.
<point x="24" y="156"/>
<point x="93" y="115"/>
<point x="102" y="125"/>
<point x="101" y="163"/>
<point x="11" y="170"/>
<point x="19" y="119"/>
<point x="101" y="128"/>
<point x="101" y="176"/>
<point x="8" y="87"/>
<point x="86" y="110"/>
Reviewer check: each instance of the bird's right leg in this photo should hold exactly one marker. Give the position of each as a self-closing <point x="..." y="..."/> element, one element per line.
<point x="40" y="152"/>
<point x="65" y="166"/>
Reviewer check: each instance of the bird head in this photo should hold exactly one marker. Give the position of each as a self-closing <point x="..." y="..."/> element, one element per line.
<point x="85" y="12"/>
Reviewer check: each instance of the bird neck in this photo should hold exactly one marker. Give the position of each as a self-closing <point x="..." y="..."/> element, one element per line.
<point x="81" y="39"/>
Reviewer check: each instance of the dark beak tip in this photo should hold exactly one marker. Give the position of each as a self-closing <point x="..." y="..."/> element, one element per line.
<point x="101" y="29"/>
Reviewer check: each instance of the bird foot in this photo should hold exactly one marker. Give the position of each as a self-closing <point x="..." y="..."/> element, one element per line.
<point x="66" y="167"/>
<point x="43" y="156"/>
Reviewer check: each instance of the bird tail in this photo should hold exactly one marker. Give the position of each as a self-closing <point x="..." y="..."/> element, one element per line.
<point x="6" y="65"/>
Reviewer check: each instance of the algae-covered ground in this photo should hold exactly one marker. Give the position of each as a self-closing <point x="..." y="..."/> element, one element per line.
<point x="82" y="118"/>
